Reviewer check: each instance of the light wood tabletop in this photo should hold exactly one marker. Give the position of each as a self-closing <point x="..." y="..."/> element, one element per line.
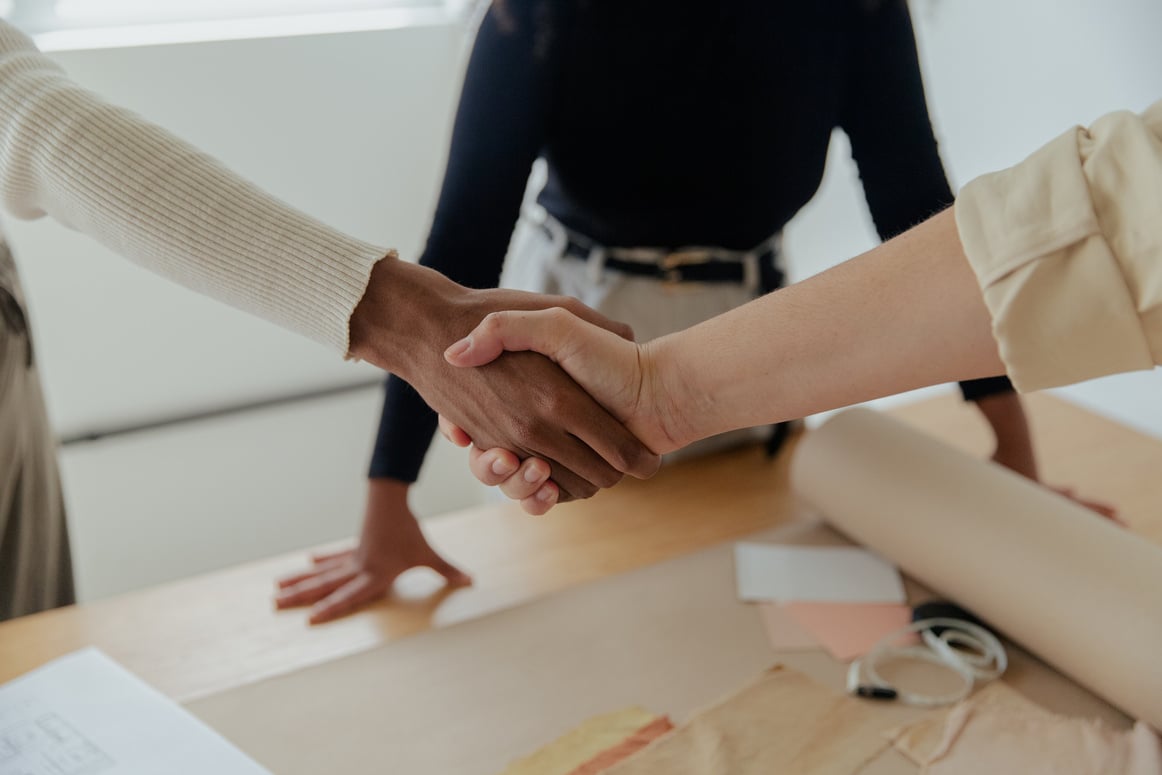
<point x="218" y="631"/>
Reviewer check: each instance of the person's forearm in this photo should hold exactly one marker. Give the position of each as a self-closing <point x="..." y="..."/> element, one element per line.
<point x="907" y="314"/>
<point x="154" y="199"/>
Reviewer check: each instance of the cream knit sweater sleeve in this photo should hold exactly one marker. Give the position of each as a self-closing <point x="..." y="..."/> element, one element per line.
<point x="155" y="199"/>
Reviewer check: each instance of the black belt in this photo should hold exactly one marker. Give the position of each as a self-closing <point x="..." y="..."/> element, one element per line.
<point x="672" y="268"/>
<point x="679" y="268"/>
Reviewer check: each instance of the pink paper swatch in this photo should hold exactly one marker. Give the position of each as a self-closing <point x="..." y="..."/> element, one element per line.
<point x="848" y="630"/>
<point x="784" y="632"/>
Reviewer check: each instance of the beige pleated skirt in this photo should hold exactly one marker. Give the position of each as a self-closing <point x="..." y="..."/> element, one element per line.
<point x="35" y="564"/>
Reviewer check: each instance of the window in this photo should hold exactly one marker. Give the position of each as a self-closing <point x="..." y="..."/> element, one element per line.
<point x="45" y="15"/>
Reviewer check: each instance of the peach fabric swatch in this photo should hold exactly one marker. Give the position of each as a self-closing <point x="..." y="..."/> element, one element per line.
<point x="848" y="630"/>
<point x="784" y="724"/>
<point x="581" y="744"/>
<point x="999" y="730"/>
<point x="626" y="748"/>
<point x="784" y="633"/>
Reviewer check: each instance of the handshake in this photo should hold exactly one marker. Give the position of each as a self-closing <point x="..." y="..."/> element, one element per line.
<point x="546" y="428"/>
<point x="558" y="402"/>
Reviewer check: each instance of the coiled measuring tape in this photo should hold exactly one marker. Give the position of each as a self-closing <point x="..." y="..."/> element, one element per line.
<point x="967" y="649"/>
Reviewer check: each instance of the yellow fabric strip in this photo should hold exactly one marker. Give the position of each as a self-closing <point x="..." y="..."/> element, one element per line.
<point x="581" y="744"/>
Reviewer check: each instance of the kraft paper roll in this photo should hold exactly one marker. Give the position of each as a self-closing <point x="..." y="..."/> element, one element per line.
<point x="1076" y="590"/>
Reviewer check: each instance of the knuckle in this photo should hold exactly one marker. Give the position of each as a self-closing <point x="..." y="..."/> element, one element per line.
<point x="480" y="470"/>
<point x="573" y="310"/>
<point x="622" y="456"/>
<point x="558" y="315"/>
<point x="608" y="479"/>
<point x="532" y="507"/>
<point x="492" y="322"/>
<point x="636" y="457"/>
<point x="556" y="404"/>
<point x="514" y="492"/>
<point x="584" y="489"/>
<point x="526" y="428"/>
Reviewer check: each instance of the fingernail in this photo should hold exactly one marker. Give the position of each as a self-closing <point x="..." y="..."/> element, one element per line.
<point x="458" y="349"/>
<point x="502" y="467"/>
<point x="533" y="474"/>
<point x="545" y="494"/>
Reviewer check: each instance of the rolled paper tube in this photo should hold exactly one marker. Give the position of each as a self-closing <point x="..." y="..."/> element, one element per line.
<point x="1078" y="591"/>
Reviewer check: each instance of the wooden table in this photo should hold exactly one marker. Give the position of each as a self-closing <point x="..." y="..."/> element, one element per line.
<point x="218" y="631"/>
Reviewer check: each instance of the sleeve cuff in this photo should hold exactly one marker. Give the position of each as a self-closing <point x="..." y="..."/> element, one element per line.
<point x="987" y="387"/>
<point x="1061" y="308"/>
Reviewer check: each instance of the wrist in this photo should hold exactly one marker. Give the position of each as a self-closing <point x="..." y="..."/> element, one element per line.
<point x="387" y="488"/>
<point x="402" y="321"/>
<point x="372" y="318"/>
<point x="669" y="396"/>
<point x="387" y="499"/>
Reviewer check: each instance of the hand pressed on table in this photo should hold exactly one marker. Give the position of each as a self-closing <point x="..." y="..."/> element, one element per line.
<point x="391" y="543"/>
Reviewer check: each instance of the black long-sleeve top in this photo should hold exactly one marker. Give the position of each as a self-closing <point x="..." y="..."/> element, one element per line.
<point x="671" y="124"/>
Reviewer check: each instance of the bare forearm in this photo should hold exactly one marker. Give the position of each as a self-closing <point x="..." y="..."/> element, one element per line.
<point x="906" y="314"/>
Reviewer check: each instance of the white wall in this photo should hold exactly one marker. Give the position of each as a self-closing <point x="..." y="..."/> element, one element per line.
<point x="172" y="502"/>
<point x="352" y="127"/>
<point x="1003" y="78"/>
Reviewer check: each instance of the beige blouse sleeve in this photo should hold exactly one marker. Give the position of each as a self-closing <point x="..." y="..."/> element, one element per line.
<point x="1067" y="247"/>
<point x="160" y="202"/>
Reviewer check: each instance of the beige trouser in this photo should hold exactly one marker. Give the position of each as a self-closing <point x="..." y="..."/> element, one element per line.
<point x="35" y="564"/>
<point x="652" y="307"/>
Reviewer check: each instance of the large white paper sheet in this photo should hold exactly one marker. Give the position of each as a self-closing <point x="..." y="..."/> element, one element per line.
<point x="770" y="572"/>
<point x="84" y="714"/>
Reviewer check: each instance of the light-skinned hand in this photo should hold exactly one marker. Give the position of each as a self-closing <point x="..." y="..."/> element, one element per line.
<point x="620" y="374"/>
<point x="617" y="372"/>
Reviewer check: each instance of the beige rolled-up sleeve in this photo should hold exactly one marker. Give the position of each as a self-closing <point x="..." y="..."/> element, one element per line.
<point x="1067" y="247"/>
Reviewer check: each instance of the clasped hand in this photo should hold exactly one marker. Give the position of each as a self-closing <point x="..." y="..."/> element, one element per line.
<point x="522" y="402"/>
<point x="631" y="381"/>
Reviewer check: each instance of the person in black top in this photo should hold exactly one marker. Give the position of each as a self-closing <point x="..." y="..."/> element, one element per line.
<point x="663" y="127"/>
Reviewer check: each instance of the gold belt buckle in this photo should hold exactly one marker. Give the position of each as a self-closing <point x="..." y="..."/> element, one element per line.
<point x="671" y="264"/>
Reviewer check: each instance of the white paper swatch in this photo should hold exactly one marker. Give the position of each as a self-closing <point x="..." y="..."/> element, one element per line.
<point x="770" y="572"/>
